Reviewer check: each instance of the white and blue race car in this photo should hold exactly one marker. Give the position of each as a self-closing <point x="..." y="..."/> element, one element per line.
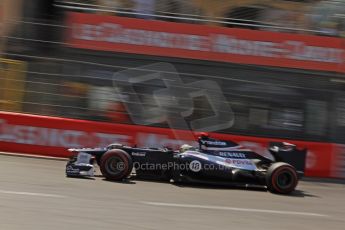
<point x="214" y="162"/>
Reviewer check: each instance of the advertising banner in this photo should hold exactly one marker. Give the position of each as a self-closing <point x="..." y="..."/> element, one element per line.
<point x="203" y="42"/>
<point x="51" y="136"/>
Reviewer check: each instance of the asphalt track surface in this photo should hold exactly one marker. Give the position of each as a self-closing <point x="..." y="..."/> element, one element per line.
<point x="35" y="194"/>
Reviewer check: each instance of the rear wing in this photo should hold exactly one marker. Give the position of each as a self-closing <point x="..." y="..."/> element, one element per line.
<point x="289" y="153"/>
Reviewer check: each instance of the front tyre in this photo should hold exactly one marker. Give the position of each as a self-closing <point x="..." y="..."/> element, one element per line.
<point x="281" y="178"/>
<point x="116" y="165"/>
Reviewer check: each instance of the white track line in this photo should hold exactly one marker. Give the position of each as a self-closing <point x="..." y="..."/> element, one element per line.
<point x="33" y="156"/>
<point x="31" y="194"/>
<point x="211" y="207"/>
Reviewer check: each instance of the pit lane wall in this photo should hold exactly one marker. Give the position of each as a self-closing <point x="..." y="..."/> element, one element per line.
<point x="52" y="136"/>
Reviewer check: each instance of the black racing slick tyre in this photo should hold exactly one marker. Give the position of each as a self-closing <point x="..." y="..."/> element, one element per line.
<point x="116" y="165"/>
<point x="281" y="178"/>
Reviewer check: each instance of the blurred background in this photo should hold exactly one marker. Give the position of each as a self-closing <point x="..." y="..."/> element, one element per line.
<point x="41" y="73"/>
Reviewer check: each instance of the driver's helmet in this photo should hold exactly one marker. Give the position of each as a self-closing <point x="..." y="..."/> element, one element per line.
<point x="287" y="147"/>
<point x="185" y="147"/>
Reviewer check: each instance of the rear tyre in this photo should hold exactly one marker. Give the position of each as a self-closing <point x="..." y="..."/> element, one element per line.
<point x="281" y="178"/>
<point x="116" y="165"/>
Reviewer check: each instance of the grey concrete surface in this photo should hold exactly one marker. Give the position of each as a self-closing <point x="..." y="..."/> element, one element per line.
<point x="35" y="194"/>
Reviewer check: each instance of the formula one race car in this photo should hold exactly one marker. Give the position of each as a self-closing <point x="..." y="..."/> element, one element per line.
<point x="214" y="161"/>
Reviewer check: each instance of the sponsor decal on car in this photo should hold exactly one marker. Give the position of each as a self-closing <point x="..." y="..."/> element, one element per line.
<point x="232" y="154"/>
<point x="139" y="154"/>
<point x="195" y="166"/>
<point x="70" y="169"/>
<point x="218" y="143"/>
<point x="237" y="163"/>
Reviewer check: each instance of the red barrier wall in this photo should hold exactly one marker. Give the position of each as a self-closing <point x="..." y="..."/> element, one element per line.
<point x="203" y="42"/>
<point x="51" y="136"/>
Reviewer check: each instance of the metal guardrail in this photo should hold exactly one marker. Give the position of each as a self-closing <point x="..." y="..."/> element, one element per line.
<point x="86" y="90"/>
<point x="184" y="17"/>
